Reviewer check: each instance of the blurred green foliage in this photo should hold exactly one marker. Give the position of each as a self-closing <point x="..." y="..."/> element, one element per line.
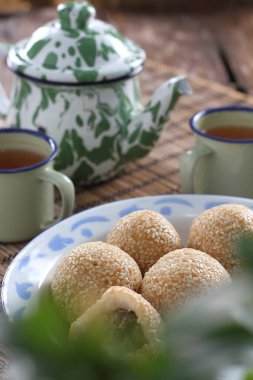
<point x="211" y="338"/>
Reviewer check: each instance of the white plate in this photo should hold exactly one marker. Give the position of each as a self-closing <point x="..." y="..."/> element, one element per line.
<point x="30" y="268"/>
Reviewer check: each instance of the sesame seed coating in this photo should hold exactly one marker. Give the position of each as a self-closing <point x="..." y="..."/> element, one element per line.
<point x="216" y="231"/>
<point x="122" y="298"/>
<point x="146" y="236"/>
<point x="87" y="272"/>
<point x="179" y="276"/>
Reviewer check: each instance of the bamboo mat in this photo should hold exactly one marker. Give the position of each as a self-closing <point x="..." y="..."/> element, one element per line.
<point x="157" y="173"/>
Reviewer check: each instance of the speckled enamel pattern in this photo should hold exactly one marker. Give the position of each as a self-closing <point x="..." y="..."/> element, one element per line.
<point x="76" y="48"/>
<point x="99" y="129"/>
<point x="76" y="81"/>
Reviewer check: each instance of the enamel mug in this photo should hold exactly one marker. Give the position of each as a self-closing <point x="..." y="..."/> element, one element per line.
<point x="216" y="164"/>
<point x="27" y="190"/>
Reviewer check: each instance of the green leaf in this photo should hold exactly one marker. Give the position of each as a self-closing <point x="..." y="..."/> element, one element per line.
<point x="85" y="76"/>
<point x="116" y="35"/>
<point x="162" y="120"/>
<point x="73" y="34"/>
<point x="106" y="50"/>
<point x="77" y="142"/>
<point x="135" y="152"/>
<point x="22" y="93"/>
<point x="104" y="107"/>
<point x="119" y="149"/>
<point x="43" y="105"/>
<point x="65" y="155"/>
<point x="50" y="61"/>
<point x="44" y="101"/>
<point x="79" y="121"/>
<point x="71" y="51"/>
<point x="149" y="138"/>
<point x="102" y="126"/>
<point x="135" y="134"/>
<point x="92" y="119"/>
<point x="18" y="122"/>
<point x="37" y="47"/>
<point x="104" y="152"/>
<point x="21" y="68"/>
<point x="125" y="107"/>
<point x="65" y="16"/>
<point x="88" y="49"/>
<point x="66" y="104"/>
<point x="52" y="93"/>
<point x="78" y="62"/>
<point x="83" y="171"/>
<point x="122" y="129"/>
<point x="154" y="111"/>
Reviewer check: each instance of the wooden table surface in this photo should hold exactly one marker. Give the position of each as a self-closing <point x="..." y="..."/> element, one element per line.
<point x="215" y="50"/>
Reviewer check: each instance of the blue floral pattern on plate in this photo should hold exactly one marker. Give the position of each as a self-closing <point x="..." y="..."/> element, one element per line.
<point x="31" y="267"/>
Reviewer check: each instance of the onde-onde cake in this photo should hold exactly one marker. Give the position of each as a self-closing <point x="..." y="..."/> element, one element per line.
<point x="146" y="236"/>
<point x="179" y="276"/>
<point x="87" y="272"/>
<point x="216" y="231"/>
<point x="122" y="300"/>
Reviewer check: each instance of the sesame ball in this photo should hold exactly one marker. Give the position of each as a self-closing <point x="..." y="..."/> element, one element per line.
<point x="146" y="236"/>
<point x="87" y="272"/>
<point x="217" y="230"/>
<point x="179" y="276"/>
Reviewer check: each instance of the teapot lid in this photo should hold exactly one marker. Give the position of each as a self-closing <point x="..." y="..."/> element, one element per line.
<point x="76" y="48"/>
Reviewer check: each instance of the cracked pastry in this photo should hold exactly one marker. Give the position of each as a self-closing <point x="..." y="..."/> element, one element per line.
<point x="127" y="312"/>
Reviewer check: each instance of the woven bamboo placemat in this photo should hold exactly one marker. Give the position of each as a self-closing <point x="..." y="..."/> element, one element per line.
<point x="157" y="173"/>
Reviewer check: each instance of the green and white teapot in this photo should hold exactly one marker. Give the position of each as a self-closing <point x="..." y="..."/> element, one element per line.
<point x="76" y="80"/>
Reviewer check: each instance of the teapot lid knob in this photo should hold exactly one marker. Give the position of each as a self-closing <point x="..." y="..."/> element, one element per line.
<point x="75" y="15"/>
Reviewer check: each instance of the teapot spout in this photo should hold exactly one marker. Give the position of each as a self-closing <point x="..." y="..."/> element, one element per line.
<point x="145" y="128"/>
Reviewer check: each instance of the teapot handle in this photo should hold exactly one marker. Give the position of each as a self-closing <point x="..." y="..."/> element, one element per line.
<point x="4" y="103"/>
<point x="4" y="100"/>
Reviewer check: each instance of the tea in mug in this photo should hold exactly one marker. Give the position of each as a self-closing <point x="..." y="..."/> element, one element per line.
<point x="19" y="158"/>
<point x="231" y="132"/>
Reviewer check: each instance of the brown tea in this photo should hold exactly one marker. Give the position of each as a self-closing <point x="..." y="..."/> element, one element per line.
<point x="231" y="132"/>
<point x="19" y="158"/>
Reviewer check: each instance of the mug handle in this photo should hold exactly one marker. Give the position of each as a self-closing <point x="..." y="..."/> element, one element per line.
<point x="188" y="164"/>
<point x="67" y="191"/>
<point x="4" y="100"/>
<point x="4" y="103"/>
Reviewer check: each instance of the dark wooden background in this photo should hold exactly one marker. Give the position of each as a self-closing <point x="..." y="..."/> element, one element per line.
<point x="136" y="5"/>
<point x="216" y="45"/>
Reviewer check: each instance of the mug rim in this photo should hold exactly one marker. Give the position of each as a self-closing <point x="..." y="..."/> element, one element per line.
<point x="208" y="111"/>
<point x="37" y="134"/>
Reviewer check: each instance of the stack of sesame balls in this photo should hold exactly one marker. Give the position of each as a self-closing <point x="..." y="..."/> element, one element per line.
<point x="144" y="253"/>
